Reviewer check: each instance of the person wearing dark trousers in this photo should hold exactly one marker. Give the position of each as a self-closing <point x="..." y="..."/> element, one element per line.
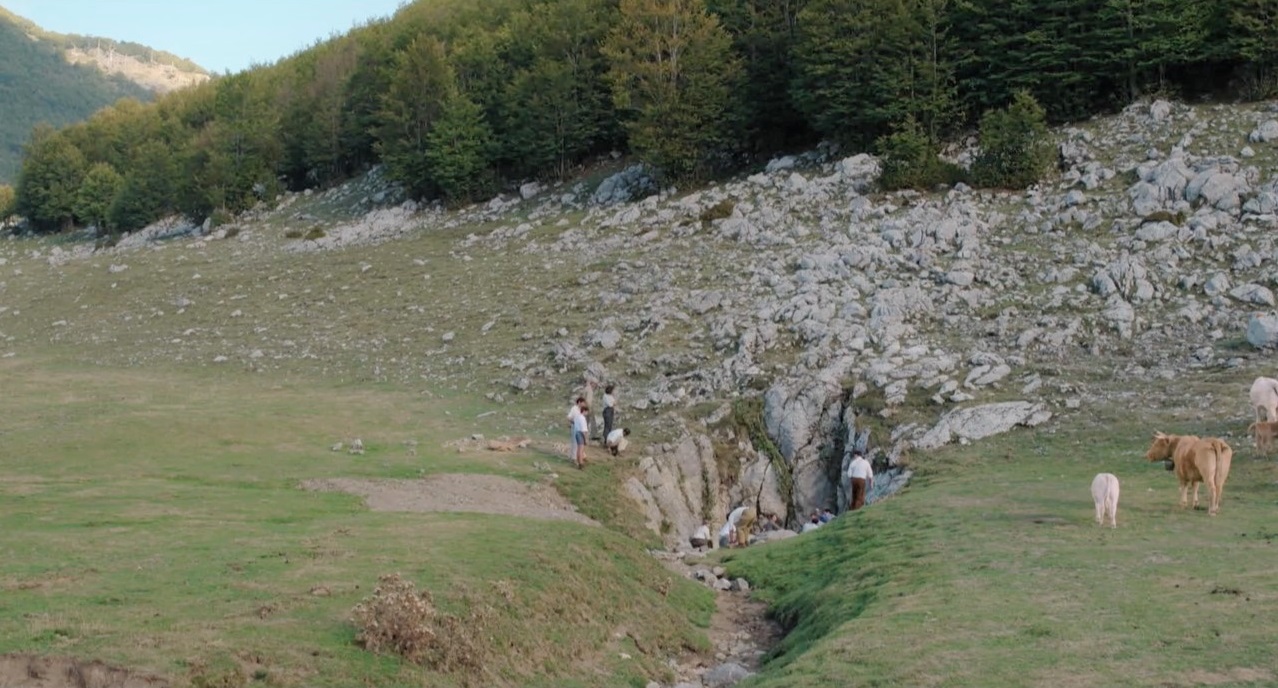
<point x="609" y="411"/>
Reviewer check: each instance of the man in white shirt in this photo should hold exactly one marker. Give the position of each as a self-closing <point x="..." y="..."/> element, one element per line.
<point x="617" y="441"/>
<point x="861" y="478"/>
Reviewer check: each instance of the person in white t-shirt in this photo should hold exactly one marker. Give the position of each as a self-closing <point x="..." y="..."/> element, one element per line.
<point x="580" y="426"/>
<point x="573" y="412"/>
<point x="861" y="480"/>
<point x="617" y="441"/>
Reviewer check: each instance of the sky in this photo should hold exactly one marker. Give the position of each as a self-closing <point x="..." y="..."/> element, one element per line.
<point x="218" y="35"/>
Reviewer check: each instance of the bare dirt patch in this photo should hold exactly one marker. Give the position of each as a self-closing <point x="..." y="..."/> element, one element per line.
<point x="30" y="671"/>
<point x="484" y="494"/>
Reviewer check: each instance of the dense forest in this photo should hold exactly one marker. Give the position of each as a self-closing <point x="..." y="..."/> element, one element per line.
<point x="38" y="85"/>
<point x="461" y="97"/>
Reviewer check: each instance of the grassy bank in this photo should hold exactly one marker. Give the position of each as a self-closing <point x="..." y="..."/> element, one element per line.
<point x="989" y="571"/>
<point x="152" y="519"/>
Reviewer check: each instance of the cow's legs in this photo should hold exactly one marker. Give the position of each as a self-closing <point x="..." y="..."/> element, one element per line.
<point x="1184" y="494"/>
<point x="1196" y="486"/>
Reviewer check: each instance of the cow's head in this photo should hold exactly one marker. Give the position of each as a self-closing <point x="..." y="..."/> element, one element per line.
<point x="1161" y="449"/>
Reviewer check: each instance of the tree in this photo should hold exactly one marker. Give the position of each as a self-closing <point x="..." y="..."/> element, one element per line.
<point x="51" y="174"/>
<point x="6" y="201"/>
<point x="148" y="192"/>
<point x="97" y="191"/>
<point x="862" y="65"/>
<point x="673" y="75"/>
<point x="764" y="33"/>
<point x="420" y="86"/>
<point x="457" y="150"/>
<point x="911" y="161"/>
<point x="1016" y="146"/>
<point x="558" y="107"/>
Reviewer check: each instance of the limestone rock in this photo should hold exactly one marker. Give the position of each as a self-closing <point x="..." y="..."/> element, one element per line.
<point x="978" y="422"/>
<point x="1262" y="331"/>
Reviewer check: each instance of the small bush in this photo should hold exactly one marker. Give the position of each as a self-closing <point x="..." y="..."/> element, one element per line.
<point x="1016" y="147"/>
<point x="232" y="231"/>
<point x="314" y="234"/>
<point x="294" y="234"/>
<point x="218" y="218"/>
<point x="400" y="620"/>
<point x="1177" y="218"/>
<point x="910" y="160"/>
<point x="719" y="211"/>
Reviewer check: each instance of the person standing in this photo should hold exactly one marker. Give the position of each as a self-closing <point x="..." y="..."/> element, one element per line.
<point x="609" y="410"/>
<point x="573" y="412"/>
<point x="580" y="428"/>
<point x="861" y="479"/>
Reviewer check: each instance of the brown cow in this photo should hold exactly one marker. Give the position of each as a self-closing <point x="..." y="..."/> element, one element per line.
<point x="1197" y="461"/>
<point x="1263" y="432"/>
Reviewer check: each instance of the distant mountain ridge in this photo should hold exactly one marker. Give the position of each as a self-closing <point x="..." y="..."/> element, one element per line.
<point x="58" y="79"/>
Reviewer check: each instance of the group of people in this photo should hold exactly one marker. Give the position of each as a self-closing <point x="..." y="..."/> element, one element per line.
<point x="613" y="438"/>
<point x="742" y="520"/>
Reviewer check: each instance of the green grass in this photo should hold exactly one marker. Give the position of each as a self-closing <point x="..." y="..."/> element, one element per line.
<point x="153" y="520"/>
<point x="989" y="571"/>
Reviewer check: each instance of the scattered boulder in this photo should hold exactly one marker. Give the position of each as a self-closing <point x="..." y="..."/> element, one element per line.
<point x="978" y="422"/>
<point x="1262" y="331"/>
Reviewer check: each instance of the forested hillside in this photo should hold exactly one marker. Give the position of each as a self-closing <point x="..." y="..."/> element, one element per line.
<point x="38" y="85"/>
<point x="458" y="97"/>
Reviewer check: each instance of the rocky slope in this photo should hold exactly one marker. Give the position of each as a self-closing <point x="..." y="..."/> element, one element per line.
<point x="893" y="322"/>
<point x="156" y="77"/>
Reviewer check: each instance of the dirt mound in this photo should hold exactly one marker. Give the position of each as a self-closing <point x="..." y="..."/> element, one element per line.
<point x="31" y="671"/>
<point x="486" y="494"/>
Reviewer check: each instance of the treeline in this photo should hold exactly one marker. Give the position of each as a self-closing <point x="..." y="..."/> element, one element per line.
<point x="458" y="97"/>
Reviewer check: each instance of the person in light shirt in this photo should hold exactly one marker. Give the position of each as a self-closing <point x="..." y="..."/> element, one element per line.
<point x="861" y="479"/>
<point x="617" y="441"/>
<point x="580" y="427"/>
<point x="573" y="412"/>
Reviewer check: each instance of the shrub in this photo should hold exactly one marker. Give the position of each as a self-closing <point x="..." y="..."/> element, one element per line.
<point x="294" y="234"/>
<point x="719" y="211"/>
<point x="1016" y="147"/>
<point x="910" y="160"/>
<point x="399" y="619"/>
<point x="314" y="235"/>
<point x="232" y="231"/>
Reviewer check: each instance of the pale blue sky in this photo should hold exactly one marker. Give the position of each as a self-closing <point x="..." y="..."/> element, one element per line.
<point x="218" y="35"/>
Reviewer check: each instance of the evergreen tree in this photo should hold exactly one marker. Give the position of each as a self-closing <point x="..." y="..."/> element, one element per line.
<point x="863" y="64"/>
<point x="673" y="76"/>
<point x="764" y="34"/>
<point x="457" y="150"/>
<point x="1253" y="31"/>
<point x="97" y="191"/>
<point x="558" y="107"/>
<point x="1016" y="146"/>
<point x="51" y="174"/>
<point x="420" y="86"/>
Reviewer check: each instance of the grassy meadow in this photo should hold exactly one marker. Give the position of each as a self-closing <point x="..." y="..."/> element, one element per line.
<point x="990" y="571"/>
<point x="152" y="519"/>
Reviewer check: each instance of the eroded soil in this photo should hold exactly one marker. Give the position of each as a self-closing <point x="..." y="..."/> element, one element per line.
<point x="457" y="492"/>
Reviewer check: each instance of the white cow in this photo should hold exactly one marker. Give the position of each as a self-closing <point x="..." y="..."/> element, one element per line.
<point x="1264" y="397"/>
<point x="1105" y="494"/>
